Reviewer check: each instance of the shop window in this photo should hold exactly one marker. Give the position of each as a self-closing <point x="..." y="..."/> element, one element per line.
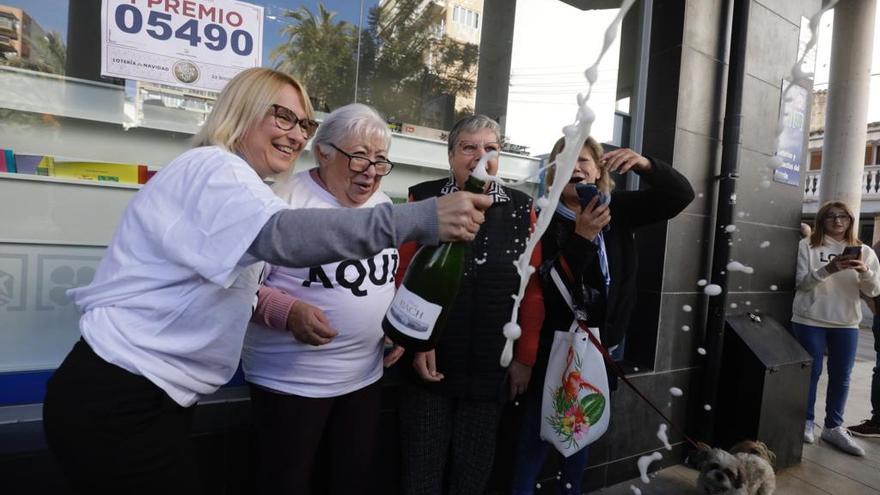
<point x="55" y="102"/>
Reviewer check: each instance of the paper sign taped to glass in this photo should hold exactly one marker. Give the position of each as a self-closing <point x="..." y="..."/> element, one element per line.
<point x="197" y="44"/>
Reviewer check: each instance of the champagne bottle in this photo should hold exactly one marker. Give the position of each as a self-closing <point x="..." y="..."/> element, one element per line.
<point x="417" y="314"/>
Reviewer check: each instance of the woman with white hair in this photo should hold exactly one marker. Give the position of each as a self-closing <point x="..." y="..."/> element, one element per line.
<point x="313" y="356"/>
<point x="164" y="318"/>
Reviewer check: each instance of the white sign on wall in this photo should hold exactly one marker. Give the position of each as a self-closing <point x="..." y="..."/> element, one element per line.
<point x="187" y="43"/>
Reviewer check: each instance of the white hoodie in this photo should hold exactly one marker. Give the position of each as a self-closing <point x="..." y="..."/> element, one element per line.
<point x="832" y="299"/>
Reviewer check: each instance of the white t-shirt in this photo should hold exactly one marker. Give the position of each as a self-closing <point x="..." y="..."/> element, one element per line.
<point x="174" y="292"/>
<point x="354" y="295"/>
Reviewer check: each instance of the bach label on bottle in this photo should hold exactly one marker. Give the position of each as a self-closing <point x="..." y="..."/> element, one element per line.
<point x="412" y="315"/>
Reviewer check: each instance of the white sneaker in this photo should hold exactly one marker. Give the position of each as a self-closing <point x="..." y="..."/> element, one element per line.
<point x="841" y="438"/>
<point x="808" y="433"/>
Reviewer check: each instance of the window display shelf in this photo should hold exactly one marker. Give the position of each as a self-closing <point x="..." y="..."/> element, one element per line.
<point x="62" y="180"/>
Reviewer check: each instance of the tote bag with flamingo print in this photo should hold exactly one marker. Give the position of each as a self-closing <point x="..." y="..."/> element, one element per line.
<point x="575" y="410"/>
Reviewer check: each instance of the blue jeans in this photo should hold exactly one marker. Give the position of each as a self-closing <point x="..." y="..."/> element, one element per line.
<point x="842" y="344"/>
<point x="875" y="378"/>
<point x="531" y="452"/>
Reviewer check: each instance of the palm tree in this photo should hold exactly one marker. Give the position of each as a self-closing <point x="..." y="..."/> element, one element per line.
<point x="400" y="80"/>
<point x="320" y="52"/>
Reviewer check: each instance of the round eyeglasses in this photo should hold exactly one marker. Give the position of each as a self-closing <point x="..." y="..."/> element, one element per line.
<point x="286" y="120"/>
<point x="360" y="164"/>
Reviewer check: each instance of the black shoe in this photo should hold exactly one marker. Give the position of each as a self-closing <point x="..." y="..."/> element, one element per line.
<point x="868" y="428"/>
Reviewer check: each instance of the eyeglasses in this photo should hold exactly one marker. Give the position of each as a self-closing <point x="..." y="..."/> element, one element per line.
<point x="470" y="149"/>
<point x="360" y="164"/>
<point x="286" y="120"/>
<point x="842" y="217"/>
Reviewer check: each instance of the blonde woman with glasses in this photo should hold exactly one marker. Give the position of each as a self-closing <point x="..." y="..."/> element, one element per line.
<point x="163" y="320"/>
<point x="833" y="268"/>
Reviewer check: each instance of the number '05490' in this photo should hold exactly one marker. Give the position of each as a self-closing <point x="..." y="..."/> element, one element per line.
<point x="129" y="19"/>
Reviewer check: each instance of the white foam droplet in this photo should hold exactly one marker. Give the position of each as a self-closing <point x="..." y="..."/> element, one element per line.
<point x="748" y="303"/>
<point x="712" y="290"/>
<point x="764" y="244"/>
<point x="701" y="351"/>
<point x="765" y="183"/>
<point x="707" y="407"/>
<point x="661" y="434"/>
<point x="774" y="163"/>
<point x="645" y="461"/>
<point x="591" y="74"/>
<point x="773" y="287"/>
<point x="538" y="486"/>
<point x="741" y="214"/>
<point x="516" y="403"/>
<point x="511" y="330"/>
<point x="685" y="328"/>
<point x="736" y="266"/>
<point x="687" y="308"/>
<point x="700" y="195"/>
<point x="568" y="486"/>
<point x="732" y="305"/>
<point x="675" y="391"/>
<point x="635" y="368"/>
<point x="702" y="282"/>
<point x="730" y="228"/>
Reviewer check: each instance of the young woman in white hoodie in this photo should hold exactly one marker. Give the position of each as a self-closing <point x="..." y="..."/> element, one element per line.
<point x="827" y="312"/>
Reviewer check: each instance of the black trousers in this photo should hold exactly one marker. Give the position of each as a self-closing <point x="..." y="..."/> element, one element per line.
<point x="294" y="431"/>
<point x="116" y="432"/>
<point x="447" y="444"/>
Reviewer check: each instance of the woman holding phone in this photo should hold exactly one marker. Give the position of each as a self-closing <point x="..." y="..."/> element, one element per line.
<point x="593" y="233"/>
<point x="833" y="268"/>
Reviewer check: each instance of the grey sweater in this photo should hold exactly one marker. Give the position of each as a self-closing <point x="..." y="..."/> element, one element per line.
<point x="311" y="237"/>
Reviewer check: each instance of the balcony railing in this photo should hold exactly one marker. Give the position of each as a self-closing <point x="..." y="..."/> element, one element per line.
<point x="870" y="184"/>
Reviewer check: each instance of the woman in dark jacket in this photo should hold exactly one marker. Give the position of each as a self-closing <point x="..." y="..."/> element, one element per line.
<point x="597" y="243"/>
<point x="452" y="397"/>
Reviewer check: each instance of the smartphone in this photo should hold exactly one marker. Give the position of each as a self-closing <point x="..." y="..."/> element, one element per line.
<point x="586" y="192"/>
<point x="851" y="253"/>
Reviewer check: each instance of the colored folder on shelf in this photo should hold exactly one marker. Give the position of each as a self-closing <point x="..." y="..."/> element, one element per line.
<point x="125" y="173"/>
<point x="34" y="164"/>
<point x="8" y="160"/>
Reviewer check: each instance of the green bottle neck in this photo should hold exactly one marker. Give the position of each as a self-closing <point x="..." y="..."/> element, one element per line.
<point x="474" y="185"/>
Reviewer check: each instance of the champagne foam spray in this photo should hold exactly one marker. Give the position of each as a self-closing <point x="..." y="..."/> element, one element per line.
<point x="480" y="172"/>
<point x="575" y="136"/>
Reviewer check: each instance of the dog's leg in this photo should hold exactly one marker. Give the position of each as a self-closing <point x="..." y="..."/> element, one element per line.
<point x="767" y="488"/>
